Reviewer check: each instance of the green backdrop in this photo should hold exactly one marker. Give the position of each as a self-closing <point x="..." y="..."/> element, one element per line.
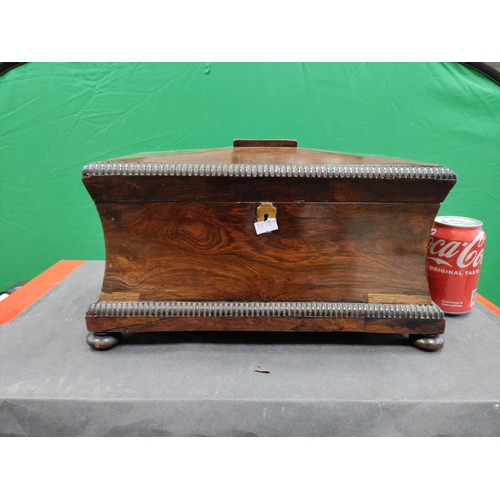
<point x="57" y="117"/>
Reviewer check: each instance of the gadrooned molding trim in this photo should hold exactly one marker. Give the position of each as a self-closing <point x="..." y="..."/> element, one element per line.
<point x="257" y="309"/>
<point x="406" y="171"/>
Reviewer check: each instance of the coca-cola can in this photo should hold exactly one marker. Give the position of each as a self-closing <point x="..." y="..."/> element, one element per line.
<point x="454" y="257"/>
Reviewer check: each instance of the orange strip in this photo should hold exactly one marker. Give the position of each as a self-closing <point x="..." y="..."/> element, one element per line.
<point x="489" y="305"/>
<point x="29" y="293"/>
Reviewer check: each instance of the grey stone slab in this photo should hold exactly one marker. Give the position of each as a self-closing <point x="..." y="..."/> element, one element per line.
<point x="205" y="384"/>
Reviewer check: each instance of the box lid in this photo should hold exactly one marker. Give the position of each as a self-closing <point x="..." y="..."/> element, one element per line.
<point x="256" y="170"/>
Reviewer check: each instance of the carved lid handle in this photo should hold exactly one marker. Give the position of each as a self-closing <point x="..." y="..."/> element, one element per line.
<point x="264" y="143"/>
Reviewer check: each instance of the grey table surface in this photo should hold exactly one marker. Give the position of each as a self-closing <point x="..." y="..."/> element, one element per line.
<point x="205" y="384"/>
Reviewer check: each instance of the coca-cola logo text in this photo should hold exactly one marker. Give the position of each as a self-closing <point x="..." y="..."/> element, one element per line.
<point x="468" y="253"/>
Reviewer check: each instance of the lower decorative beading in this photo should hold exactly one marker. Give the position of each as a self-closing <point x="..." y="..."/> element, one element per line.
<point x="257" y="309"/>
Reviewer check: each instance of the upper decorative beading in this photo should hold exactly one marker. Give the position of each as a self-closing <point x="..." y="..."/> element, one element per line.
<point x="392" y="171"/>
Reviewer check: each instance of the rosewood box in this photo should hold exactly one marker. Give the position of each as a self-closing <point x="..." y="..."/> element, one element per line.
<point x="265" y="236"/>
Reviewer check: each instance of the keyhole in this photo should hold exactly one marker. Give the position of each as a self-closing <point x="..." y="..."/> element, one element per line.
<point x="266" y="211"/>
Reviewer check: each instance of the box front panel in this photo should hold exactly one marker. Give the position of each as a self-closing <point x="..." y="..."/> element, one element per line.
<point x="352" y="252"/>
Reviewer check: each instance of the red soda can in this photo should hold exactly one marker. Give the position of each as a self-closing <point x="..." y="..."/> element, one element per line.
<point x="454" y="257"/>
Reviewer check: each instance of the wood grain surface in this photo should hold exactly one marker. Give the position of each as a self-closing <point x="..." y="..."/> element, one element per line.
<point x="274" y="189"/>
<point x="328" y="252"/>
<point x="262" y="154"/>
<point x="265" y="324"/>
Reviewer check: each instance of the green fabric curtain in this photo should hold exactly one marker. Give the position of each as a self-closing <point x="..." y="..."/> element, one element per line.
<point x="57" y="117"/>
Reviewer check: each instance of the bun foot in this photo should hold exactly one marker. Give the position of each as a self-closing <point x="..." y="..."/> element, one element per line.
<point x="102" y="342"/>
<point x="427" y="342"/>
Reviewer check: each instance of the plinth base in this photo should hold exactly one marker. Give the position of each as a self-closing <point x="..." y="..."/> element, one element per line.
<point x="107" y="320"/>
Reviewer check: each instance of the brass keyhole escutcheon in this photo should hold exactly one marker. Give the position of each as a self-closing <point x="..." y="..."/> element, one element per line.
<point x="266" y="211"/>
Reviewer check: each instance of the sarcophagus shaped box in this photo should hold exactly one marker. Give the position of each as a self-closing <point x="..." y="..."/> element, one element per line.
<point x="265" y="236"/>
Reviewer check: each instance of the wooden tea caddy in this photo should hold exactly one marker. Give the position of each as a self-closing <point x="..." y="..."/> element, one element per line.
<point x="183" y="253"/>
